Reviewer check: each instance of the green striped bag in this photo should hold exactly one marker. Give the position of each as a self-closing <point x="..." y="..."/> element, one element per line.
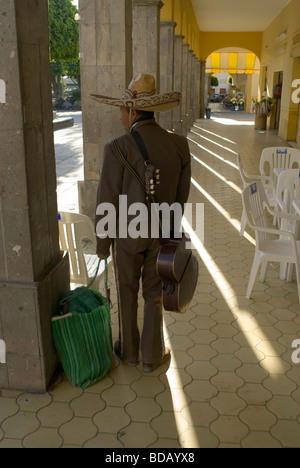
<point x="82" y="335"/>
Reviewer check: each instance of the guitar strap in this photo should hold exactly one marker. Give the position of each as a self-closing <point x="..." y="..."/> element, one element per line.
<point x="129" y="166"/>
<point x="140" y="142"/>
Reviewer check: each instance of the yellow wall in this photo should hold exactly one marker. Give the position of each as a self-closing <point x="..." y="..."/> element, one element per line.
<point x="278" y="48"/>
<point x="204" y="43"/>
<point x="182" y="12"/>
<point x="211" y="41"/>
<point x="281" y="52"/>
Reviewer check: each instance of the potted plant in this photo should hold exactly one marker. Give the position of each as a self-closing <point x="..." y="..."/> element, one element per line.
<point x="241" y="104"/>
<point x="262" y="110"/>
<point x="234" y="104"/>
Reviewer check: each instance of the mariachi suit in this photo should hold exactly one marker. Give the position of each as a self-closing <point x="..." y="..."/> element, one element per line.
<point x="135" y="259"/>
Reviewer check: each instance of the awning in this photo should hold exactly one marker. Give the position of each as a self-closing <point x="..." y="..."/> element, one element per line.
<point x="231" y="62"/>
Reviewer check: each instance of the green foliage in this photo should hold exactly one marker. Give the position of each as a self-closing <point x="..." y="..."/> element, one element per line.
<point x="64" y="34"/>
<point x="214" y="81"/>
<point x="76" y="94"/>
<point x="72" y="69"/>
<point x="64" y="43"/>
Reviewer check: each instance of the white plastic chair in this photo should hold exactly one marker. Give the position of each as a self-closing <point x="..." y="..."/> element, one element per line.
<point x="247" y="180"/>
<point x="283" y="249"/>
<point x="77" y="237"/>
<point x="287" y="190"/>
<point x="276" y="158"/>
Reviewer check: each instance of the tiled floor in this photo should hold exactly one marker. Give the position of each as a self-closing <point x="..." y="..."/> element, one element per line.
<point x="231" y="381"/>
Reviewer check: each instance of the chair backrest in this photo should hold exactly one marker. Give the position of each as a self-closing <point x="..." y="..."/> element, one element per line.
<point x="288" y="189"/>
<point x="278" y="157"/>
<point x="254" y="201"/>
<point x="242" y="170"/>
<point x="77" y="236"/>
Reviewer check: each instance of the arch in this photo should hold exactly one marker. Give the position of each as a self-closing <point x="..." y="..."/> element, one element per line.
<point x="233" y="60"/>
<point x="212" y="41"/>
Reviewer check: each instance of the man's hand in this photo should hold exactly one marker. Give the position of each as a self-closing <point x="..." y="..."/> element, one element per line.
<point x="102" y="257"/>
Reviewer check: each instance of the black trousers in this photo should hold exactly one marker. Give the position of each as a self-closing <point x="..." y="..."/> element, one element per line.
<point x="135" y="259"/>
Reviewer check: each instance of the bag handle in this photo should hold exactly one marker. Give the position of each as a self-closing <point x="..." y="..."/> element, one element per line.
<point x="105" y="279"/>
<point x="63" y="301"/>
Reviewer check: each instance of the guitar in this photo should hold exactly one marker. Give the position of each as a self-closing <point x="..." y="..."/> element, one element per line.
<point x="178" y="269"/>
<point x="176" y="265"/>
<point x="152" y="178"/>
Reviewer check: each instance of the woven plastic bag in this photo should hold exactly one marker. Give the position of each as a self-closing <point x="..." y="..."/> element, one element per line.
<point x="82" y="335"/>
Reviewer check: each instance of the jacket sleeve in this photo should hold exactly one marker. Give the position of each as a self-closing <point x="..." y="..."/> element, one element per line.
<point x="183" y="188"/>
<point x="110" y="187"/>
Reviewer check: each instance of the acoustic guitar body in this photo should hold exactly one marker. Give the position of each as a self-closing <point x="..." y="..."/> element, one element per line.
<point x="178" y="268"/>
<point x="172" y="260"/>
<point x="177" y="296"/>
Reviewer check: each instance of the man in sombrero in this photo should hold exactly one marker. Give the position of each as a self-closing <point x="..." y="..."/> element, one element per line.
<point x="135" y="258"/>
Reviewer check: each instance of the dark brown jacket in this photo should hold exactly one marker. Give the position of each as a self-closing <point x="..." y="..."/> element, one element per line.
<point x="167" y="151"/>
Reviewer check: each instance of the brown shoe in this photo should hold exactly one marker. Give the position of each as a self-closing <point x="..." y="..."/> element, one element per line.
<point x="117" y="353"/>
<point x="151" y="367"/>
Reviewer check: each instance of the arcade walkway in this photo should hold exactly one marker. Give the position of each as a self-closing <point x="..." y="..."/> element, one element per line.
<point x="231" y="382"/>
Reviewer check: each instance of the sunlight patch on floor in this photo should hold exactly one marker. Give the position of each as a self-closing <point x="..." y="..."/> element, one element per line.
<point x="243" y="315"/>
<point x="232" y="122"/>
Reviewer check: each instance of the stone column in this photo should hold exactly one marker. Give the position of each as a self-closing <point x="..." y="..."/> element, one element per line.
<point x="197" y="88"/>
<point x="178" y="54"/>
<point x="167" y="33"/>
<point x="146" y="38"/>
<point x="192" y="116"/>
<point x="202" y="89"/>
<point x="177" y="120"/>
<point x="189" y="90"/>
<point x="106" y="68"/>
<point x="33" y="274"/>
<point x="184" y="105"/>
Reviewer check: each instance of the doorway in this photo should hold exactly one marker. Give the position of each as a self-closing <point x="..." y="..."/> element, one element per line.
<point x="278" y="80"/>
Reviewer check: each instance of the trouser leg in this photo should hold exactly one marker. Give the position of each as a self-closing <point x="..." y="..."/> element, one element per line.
<point x="152" y="346"/>
<point x="128" y="266"/>
<point x="133" y="258"/>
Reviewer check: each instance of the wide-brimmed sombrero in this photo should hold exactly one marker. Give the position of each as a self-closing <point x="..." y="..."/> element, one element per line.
<point x="141" y="95"/>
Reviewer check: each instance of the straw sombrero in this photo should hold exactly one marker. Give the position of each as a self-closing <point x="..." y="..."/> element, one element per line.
<point x="141" y="95"/>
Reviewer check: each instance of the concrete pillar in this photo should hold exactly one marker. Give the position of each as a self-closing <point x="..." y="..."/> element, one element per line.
<point x="33" y="274"/>
<point x="106" y="68"/>
<point x="146" y="38"/>
<point x="203" y="97"/>
<point x="189" y="90"/>
<point x="177" y="113"/>
<point x="167" y="35"/>
<point x="184" y="105"/>
<point x="197" y="88"/>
